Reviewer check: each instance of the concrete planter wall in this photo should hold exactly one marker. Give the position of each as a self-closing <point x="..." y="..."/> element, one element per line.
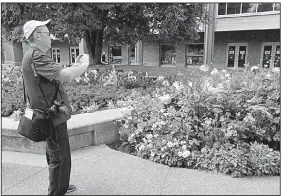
<point x="84" y="130"/>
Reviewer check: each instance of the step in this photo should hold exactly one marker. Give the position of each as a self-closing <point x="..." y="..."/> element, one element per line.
<point x="88" y="129"/>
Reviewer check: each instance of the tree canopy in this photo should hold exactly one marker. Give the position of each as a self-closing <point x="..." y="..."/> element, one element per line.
<point x="122" y="23"/>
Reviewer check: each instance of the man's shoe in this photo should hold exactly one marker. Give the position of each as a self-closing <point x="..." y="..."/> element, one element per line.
<point x="71" y="188"/>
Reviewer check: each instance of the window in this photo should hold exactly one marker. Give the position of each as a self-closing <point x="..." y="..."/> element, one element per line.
<point x="74" y="52"/>
<point x="168" y="55"/>
<point x="195" y="54"/>
<point x="265" y="7"/>
<point x="249" y="7"/>
<point x="241" y="8"/>
<point x="233" y="8"/>
<point x="115" y="55"/>
<point x="276" y="6"/>
<point x="270" y="54"/>
<point x="132" y="54"/>
<point x="55" y="53"/>
<point x="221" y="8"/>
<point x="237" y="55"/>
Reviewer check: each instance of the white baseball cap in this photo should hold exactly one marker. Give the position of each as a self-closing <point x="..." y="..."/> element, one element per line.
<point x="29" y="26"/>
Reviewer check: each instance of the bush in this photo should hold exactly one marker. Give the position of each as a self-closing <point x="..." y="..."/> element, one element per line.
<point x="92" y="91"/>
<point x="239" y="160"/>
<point x="174" y="123"/>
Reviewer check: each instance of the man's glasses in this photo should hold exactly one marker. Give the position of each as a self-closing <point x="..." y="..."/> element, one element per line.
<point x="47" y="33"/>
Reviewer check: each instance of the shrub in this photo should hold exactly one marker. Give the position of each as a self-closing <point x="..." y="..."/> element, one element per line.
<point x="187" y="116"/>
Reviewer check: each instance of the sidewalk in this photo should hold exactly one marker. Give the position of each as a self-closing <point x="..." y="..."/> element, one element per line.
<point x="99" y="170"/>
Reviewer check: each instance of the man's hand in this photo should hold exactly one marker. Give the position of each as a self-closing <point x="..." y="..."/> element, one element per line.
<point x="70" y="73"/>
<point x="82" y="58"/>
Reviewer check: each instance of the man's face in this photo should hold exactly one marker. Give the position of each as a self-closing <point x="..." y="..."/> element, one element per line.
<point x="43" y="35"/>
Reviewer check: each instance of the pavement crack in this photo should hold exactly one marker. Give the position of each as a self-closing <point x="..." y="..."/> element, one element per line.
<point x="24" y="179"/>
<point x="168" y="171"/>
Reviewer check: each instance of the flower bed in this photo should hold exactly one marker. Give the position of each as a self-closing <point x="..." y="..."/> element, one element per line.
<point x="220" y="121"/>
<point x="95" y="90"/>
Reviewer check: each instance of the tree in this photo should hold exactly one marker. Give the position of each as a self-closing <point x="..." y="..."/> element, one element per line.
<point x="123" y="23"/>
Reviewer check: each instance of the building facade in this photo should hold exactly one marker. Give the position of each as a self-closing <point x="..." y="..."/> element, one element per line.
<point x="238" y="34"/>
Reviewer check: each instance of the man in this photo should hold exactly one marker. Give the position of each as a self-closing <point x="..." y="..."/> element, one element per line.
<point x="51" y="74"/>
<point x="103" y="59"/>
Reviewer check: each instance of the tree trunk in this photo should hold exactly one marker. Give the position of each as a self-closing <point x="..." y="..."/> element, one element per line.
<point x="94" y="43"/>
<point x="98" y="46"/>
<point x="88" y="41"/>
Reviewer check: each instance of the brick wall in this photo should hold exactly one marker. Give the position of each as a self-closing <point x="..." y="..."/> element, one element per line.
<point x="253" y="38"/>
<point x="180" y="55"/>
<point x="151" y="53"/>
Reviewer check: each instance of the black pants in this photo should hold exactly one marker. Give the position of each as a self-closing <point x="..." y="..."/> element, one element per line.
<point x="59" y="160"/>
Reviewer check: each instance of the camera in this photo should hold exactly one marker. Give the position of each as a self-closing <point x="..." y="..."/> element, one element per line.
<point x="59" y="107"/>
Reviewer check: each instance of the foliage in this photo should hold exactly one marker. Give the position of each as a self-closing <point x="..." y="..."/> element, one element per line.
<point x="239" y="160"/>
<point x="87" y="93"/>
<point x="178" y="120"/>
<point x="116" y="23"/>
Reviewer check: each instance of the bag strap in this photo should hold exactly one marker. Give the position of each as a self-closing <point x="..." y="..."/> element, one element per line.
<point x="37" y="79"/>
<point x="56" y="92"/>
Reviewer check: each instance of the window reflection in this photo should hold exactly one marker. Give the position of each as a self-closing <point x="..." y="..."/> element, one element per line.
<point x="249" y="7"/>
<point x="240" y="8"/>
<point x="277" y="6"/>
<point x="233" y="8"/>
<point x="264" y="7"/>
<point x="221" y="8"/>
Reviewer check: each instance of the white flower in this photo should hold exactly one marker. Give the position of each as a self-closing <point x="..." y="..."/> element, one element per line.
<point x="268" y="75"/>
<point x="227" y="75"/>
<point x="186" y="153"/>
<point x="190" y="84"/>
<point x="85" y="74"/>
<point x="165" y="99"/>
<point x="179" y="73"/>
<point x="78" y="79"/>
<point x="149" y="136"/>
<point x="184" y="147"/>
<point x="165" y="83"/>
<point x="220" y="85"/>
<point x="203" y="150"/>
<point x="204" y="68"/>
<point x="178" y="85"/>
<point x="142" y="147"/>
<point x="183" y="142"/>
<point x="254" y="68"/>
<point x="180" y="154"/>
<point x="208" y="122"/>
<point x="169" y="144"/>
<point x="246" y="65"/>
<point x="276" y="69"/>
<point x="153" y="154"/>
<point x="224" y="71"/>
<point x="160" y="78"/>
<point x="155" y="125"/>
<point x="249" y="117"/>
<point x="214" y="71"/>
<point x="162" y="123"/>
<point x="162" y="110"/>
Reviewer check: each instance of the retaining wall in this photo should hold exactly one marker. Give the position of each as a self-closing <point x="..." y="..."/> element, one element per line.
<point x="84" y="130"/>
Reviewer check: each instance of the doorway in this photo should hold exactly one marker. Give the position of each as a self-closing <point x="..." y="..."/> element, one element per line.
<point x="237" y="55"/>
<point x="270" y="54"/>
